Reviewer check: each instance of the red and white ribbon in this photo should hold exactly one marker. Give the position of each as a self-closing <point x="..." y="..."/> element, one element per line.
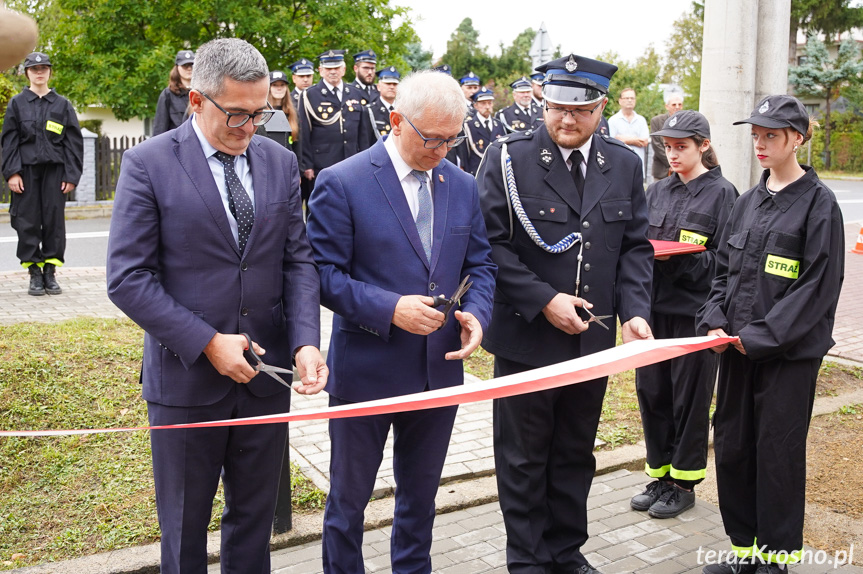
<point x="602" y="364"/>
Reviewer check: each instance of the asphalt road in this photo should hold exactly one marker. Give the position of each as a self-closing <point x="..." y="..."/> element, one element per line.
<point x="87" y="239"/>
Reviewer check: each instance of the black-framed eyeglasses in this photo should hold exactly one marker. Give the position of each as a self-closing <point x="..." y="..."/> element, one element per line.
<point x="239" y="119"/>
<point x="561" y="112"/>
<point x="434" y="143"/>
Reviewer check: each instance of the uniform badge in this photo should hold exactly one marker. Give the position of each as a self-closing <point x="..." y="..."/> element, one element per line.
<point x="517" y="112"/>
<point x="320" y="109"/>
<point x="600" y="159"/>
<point x="551" y="210"/>
<point x="672" y="123"/>
<point x="480" y="143"/>
<point x="545" y="156"/>
<point x="571" y="65"/>
<point x="763" y="109"/>
<point x="325" y="115"/>
<point x="383" y="132"/>
<point x="476" y="124"/>
<point x="39" y="58"/>
<point x="363" y="102"/>
<point x="350" y="108"/>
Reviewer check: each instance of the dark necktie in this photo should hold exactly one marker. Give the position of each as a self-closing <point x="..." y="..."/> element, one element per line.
<point x="576" y="158"/>
<point x="238" y="200"/>
<point x="424" y="214"/>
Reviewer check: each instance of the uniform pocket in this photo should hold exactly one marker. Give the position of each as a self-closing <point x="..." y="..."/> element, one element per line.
<point x="783" y="256"/>
<point x="697" y="228"/>
<point x="615" y="213"/>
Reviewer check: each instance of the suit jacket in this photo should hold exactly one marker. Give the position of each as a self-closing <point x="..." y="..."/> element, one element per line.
<point x="660" y="166"/>
<point x="617" y="265"/>
<point x="369" y="252"/>
<point x="327" y="142"/>
<point x="175" y="269"/>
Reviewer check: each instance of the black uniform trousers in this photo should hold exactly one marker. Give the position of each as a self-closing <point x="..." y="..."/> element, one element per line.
<point x="38" y="214"/>
<point x="187" y="464"/>
<point x="545" y="465"/>
<point x="674" y="398"/>
<point x="761" y="424"/>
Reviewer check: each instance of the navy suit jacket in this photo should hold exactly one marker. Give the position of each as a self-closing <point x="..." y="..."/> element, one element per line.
<point x="369" y="252"/>
<point x="175" y="269"/>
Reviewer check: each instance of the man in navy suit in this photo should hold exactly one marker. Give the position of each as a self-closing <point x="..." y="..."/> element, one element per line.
<point x="207" y="241"/>
<point x="391" y="228"/>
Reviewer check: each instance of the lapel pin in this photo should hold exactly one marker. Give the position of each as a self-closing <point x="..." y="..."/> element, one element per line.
<point x="600" y="159"/>
<point x="440" y="177"/>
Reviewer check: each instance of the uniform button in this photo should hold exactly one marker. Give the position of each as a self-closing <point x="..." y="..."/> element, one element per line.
<point x="542" y="212"/>
<point x="586" y="224"/>
<point x="587" y="288"/>
<point x="620" y="214"/>
<point x="244" y="266"/>
<point x="587" y="266"/>
<point x="432" y="286"/>
<point x="587" y="245"/>
<point x="244" y="311"/>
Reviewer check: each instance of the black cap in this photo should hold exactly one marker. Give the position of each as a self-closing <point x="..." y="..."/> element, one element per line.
<point x="36" y="59"/>
<point x="779" y="112"/>
<point x="185" y="57"/>
<point x="685" y="124"/>
<point x="278" y="76"/>
<point x="574" y="80"/>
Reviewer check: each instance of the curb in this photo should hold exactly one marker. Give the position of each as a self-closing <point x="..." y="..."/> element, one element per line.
<point x="73" y="211"/>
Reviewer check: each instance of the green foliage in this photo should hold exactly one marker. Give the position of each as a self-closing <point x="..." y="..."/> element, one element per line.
<point x="119" y="52"/>
<point x="7" y="91"/>
<point x="418" y="58"/>
<point x="683" y="56"/>
<point x="846" y="141"/>
<point x="848" y="409"/>
<point x="464" y="53"/>
<point x="828" y="17"/>
<point x="94" y="126"/>
<point x="640" y="76"/>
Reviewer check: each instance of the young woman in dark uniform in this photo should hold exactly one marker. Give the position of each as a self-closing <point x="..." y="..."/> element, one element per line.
<point x="779" y="273"/>
<point x="691" y="206"/>
<point x="43" y="156"/>
<point x="172" y="108"/>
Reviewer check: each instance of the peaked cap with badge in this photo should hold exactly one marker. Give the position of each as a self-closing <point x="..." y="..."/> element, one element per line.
<point x="576" y="80"/>
<point x="302" y="67"/>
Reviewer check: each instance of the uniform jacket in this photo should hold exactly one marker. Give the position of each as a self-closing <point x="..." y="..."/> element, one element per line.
<point x="369" y="253"/>
<point x="175" y="269"/>
<point x="695" y="212"/>
<point x="327" y="142"/>
<point x="618" y="259"/>
<point x="171" y="111"/>
<point x="377" y="116"/>
<point x="514" y="119"/>
<point x="41" y="130"/>
<point x="295" y="93"/>
<point x="370" y="93"/>
<point x="779" y="271"/>
<point x="479" y="138"/>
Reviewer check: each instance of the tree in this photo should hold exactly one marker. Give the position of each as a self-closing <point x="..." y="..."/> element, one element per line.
<point x="118" y="52"/>
<point x="464" y="53"/>
<point x="417" y="57"/>
<point x="828" y="17"/>
<point x="823" y="77"/>
<point x="640" y="76"/>
<point x="683" y="55"/>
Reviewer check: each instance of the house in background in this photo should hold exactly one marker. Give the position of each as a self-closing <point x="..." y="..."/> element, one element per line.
<point x="114" y="128"/>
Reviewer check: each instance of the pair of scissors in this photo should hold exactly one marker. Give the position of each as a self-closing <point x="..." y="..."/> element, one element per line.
<point x="260" y="366"/>
<point x="591" y="318"/>
<point x="448" y="303"/>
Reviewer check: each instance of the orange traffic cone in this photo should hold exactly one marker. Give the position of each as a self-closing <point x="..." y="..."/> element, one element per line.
<point x="859" y="247"/>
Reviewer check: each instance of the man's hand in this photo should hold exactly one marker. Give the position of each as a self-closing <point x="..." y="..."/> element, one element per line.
<point x="312" y="369"/>
<point x="67" y="187"/>
<point x="225" y="352"/>
<point x="415" y="314"/>
<point x="635" y="329"/>
<point x="309" y="174"/>
<point x="561" y="313"/>
<point x="719" y="333"/>
<point x="16" y="184"/>
<point x="471" y="336"/>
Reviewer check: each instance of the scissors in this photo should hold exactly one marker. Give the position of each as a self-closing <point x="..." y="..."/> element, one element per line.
<point x="261" y="366"/>
<point x="594" y="318"/>
<point x="448" y="303"/>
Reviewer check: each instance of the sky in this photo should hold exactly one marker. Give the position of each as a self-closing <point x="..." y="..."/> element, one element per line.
<point x="639" y="23"/>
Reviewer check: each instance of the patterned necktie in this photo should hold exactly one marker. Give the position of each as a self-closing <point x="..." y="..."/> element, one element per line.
<point x="238" y="200"/>
<point x="576" y="158"/>
<point x="424" y="214"/>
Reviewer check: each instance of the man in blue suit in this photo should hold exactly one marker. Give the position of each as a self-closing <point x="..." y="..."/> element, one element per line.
<point x="207" y="241"/>
<point x="391" y="228"/>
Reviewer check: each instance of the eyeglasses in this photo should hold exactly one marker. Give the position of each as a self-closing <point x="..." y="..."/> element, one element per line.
<point x="239" y="119"/>
<point x="434" y="143"/>
<point x="560" y="112"/>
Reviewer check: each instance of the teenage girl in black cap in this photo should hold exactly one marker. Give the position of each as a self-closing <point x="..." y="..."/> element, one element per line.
<point x="779" y="272"/>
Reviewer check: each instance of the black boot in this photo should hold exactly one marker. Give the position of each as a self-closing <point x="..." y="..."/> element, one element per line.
<point x="51" y="285"/>
<point x="37" y="283"/>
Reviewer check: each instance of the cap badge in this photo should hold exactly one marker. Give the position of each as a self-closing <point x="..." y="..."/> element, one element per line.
<point x="545" y="156"/>
<point x="672" y="123"/>
<point x="470" y="75"/>
<point x="331" y="54"/>
<point x="38" y="58"/>
<point x="763" y="109"/>
<point x="600" y="159"/>
<point x="277" y="75"/>
<point x="571" y="65"/>
<point x="392" y="68"/>
<point x="188" y="55"/>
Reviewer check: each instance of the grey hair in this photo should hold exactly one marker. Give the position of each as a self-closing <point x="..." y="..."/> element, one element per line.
<point x="226" y="58"/>
<point x="672" y="96"/>
<point x="429" y="90"/>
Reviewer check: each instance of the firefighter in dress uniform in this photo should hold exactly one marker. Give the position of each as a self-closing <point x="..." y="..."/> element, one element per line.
<point x="481" y="130"/>
<point x="524" y="114"/>
<point x="364" y="75"/>
<point x="378" y="112"/>
<point x="562" y="239"/>
<point x="303" y="76"/>
<point x="779" y="273"/>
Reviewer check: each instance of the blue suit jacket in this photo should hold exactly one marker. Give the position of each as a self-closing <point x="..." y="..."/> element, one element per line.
<point x="366" y="244"/>
<point x="175" y="269"/>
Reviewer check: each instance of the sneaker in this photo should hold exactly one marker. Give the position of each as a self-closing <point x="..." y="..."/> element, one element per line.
<point x="672" y="502"/>
<point x="772" y="569"/>
<point x="650" y="495"/>
<point x="742" y="567"/>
